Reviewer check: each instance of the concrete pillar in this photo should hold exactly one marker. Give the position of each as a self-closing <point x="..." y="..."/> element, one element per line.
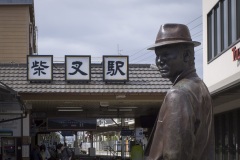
<point x="91" y="138"/>
<point x="76" y="140"/>
<point x="26" y="139"/>
<point x="122" y="144"/>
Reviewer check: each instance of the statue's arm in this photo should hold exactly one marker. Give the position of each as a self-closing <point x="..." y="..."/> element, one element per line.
<point x="178" y="126"/>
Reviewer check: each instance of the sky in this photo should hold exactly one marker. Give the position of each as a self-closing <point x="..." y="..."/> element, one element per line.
<point x="112" y="27"/>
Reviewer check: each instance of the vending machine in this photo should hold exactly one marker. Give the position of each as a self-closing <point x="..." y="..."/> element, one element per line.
<point x="11" y="148"/>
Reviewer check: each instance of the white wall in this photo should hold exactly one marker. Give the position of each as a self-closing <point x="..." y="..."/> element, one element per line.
<point x="223" y="71"/>
<point x="26" y="126"/>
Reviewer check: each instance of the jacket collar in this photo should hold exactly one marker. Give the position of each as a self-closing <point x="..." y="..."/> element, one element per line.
<point x="186" y="73"/>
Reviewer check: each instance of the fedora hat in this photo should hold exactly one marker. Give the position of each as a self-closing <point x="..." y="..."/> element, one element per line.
<point x="172" y="34"/>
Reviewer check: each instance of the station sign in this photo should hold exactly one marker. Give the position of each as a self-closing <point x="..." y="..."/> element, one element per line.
<point x="115" y="68"/>
<point x="40" y="68"/>
<point x="71" y="123"/>
<point x="77" y="68"/>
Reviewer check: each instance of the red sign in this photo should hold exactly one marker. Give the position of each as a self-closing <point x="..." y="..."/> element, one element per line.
<point x="236" y="53"/>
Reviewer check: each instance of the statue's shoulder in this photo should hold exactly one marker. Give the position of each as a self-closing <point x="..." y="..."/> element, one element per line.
<point x="175" y="92"/>
<point x="187" y="84"/>
<point x="174" y="98"/>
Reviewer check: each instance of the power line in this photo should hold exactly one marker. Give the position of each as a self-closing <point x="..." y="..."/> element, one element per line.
<point x="148" y="46"/>
<point x="196" y="33"/>
<point x="154" y="57"/>
<point x="195" y="26"/>
<point x="198" y="39"/>
<point x="144" y="59"/>
<point x="198" y="50"/>
<point x="141" y="56"/>
<point x="139" y="51"/>
<point x="194" y="20"/>
<point x="197" y="36"/>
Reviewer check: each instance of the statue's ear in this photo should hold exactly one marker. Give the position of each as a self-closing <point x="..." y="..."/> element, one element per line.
<point x="186" y="56"/>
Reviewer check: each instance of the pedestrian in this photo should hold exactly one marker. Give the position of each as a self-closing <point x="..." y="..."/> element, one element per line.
<point x="80" y="145"/>
<point x="35" y="153"/>
<point x="59" y="149"/>
<point x="44" y="152"/>
<point x="66" y="153"/>
<point x="136" y="151"/>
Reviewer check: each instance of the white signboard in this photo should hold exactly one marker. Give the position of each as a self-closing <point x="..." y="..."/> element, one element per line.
<point x="25" y="150"/>
<point x="40" y="67"/>
<point x="78" y="68"/>
<point x="115" y="68"/>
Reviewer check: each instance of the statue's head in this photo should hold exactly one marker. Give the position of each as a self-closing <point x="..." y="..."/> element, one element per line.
<point x="173" y="34"/>
<point x="174" y="50"/>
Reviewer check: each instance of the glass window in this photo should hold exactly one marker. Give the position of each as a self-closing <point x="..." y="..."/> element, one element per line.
<point x="238" y="135"/>
<point x="233" y="17"/>
<point x="238" y="19"/>
<point x="218" y="28"/>
<point x="209" y="19"/>
<point x="225" y="23"/>
<point x="227" y="135"/>
<point x="212" y="34"/>
<point x="223" y="26"/>
<point x="218" y="137"/>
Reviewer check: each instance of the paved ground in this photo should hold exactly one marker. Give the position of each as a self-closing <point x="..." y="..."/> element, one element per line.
<point x="103" y="155"/>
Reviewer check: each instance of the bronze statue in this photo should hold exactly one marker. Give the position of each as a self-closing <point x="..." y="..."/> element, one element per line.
<point x="184" y="126"/>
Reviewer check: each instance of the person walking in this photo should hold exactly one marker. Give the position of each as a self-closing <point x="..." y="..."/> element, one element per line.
<point x="66" y="153"/>
<point x="59" y="149"/>
<point x="44" y="152"/>
<point x="35" y="153"/>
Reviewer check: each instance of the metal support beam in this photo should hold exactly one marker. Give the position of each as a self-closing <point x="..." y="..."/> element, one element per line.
<point x="122" y="144"/>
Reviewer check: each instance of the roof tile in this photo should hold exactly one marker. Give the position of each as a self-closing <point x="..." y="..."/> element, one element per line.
<point x="142" y="79"/>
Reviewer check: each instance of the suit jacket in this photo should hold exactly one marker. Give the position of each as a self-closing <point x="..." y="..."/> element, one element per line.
<point x="184" y="127"/>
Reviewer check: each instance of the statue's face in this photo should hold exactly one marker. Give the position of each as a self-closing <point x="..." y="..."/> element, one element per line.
<point x="170" y="61"/>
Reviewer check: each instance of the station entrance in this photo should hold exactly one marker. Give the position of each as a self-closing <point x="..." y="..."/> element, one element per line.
<point x="93" y="135"/>
<point x="109" y="139"/>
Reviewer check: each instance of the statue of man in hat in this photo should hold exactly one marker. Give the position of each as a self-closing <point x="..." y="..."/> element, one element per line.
<point x="184" y="126"/>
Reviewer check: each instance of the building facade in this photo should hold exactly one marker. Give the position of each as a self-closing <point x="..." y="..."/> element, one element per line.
<point x="17" y="40"/>
<point x="221" y="73"/>
<point x="18" y="31"/>
<point x="138" y="96"/>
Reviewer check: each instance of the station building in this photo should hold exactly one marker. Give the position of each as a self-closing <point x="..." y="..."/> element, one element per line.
<point x="59" y="104"/>
<point x="221" y="72"/>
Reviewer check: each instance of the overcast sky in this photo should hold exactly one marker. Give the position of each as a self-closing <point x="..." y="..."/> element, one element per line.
<point x="112" y="27"/>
